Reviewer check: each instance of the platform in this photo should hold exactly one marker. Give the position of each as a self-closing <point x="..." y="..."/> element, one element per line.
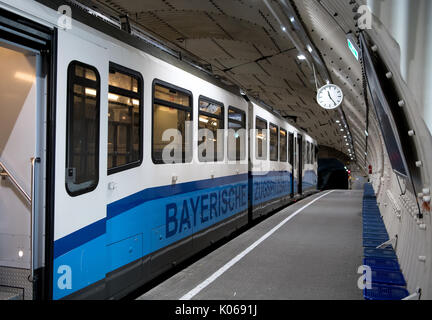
<point x="310" y="250"/>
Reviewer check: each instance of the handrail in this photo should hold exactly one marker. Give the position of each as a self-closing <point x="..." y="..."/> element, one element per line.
<point x="6" y="173"/>
<point x="34" y="160"/>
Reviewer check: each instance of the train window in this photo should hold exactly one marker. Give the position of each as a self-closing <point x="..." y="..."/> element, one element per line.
<point x="291" y="149"/>
<point x="261" y="139"/>
<point x="307" y="153"/>
<point x="274" y="135"/>
<point x="172" y="127"/>
<point x="236" y="134"/>
<point x="313" y="153"/>
<point x="283" y="146"/>
<point x="124" y="119"/>
<point x="210" y="136"/>
<point x="82" y="127"/>
<point x="310" y="153"/>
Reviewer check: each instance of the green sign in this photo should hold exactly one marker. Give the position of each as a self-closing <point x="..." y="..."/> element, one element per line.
<point x="353" y="49"/>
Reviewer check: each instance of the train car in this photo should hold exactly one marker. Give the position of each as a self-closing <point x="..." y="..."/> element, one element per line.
<point x="138" y="160"/>
<point x="280" y="170"/>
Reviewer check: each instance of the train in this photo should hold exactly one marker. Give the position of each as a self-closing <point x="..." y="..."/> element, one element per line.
<point x="139" y="160"/>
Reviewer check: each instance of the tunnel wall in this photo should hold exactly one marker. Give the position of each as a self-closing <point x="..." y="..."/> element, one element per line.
<point x="403" y="33"/>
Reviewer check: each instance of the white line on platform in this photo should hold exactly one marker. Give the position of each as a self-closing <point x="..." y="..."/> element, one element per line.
<point x="218" y="273"/>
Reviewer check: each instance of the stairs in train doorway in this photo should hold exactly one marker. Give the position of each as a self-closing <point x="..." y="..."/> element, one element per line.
<point x="11" y="293"/>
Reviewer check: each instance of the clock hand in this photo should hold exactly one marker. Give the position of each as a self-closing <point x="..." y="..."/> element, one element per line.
<point x="331" y="98"/>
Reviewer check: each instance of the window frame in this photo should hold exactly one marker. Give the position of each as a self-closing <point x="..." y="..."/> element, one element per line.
<point x="267" y="140"/>
<point x="189" y="109"/>
<point x="211" y="115"/>
<point x="243" y="127"/>
<point x="280" y="145"/>
<point x="277" y="141"/>
<point x="69" y="101"/>
<point x="291" y="148"/>
<point x="140" y="97"/>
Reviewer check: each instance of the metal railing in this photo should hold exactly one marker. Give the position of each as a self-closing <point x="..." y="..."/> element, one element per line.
<point x="5" y="173"/>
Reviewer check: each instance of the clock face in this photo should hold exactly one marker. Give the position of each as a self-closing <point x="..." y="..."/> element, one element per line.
<point x="330" y="96"/>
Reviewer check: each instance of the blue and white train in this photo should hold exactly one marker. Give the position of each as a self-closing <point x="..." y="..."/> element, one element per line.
<point x="105" y="212"/>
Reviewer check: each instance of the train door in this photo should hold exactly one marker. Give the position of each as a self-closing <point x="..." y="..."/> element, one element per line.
<point x="291" y="160"/>
<point x="300" y="164"/>
<point x="22" y="159"/>
<point x="81" y="163"/>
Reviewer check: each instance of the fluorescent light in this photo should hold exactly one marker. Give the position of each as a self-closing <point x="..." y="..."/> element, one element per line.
<point x="25" y="76"/>
<point x="283" y="28"/>
<point x="135" y="102"/>
<point x="301" y="57"/>
<point x="91" y="92"/>
<point x="201" y="119"/>
<point x="112" y="97"/>
<point x="309" y="48"/>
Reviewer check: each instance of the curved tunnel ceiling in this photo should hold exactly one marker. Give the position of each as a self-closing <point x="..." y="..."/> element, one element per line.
<point x="244" y="43"/>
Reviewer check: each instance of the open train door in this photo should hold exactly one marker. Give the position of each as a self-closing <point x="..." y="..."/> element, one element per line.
<point x="24" y="64"/>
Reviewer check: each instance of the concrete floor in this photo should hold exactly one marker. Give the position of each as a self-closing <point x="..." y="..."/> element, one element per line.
<point x="315" y="255"/>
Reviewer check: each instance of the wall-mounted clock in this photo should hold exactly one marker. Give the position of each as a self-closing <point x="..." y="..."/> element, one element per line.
<point x="330" y="96"/>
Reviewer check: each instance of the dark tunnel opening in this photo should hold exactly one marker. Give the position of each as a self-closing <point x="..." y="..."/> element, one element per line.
<point x="332" y="175"/>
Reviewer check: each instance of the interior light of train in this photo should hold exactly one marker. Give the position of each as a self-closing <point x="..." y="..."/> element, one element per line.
<point x="90" y="92"/>
<point x="112" y="97"/>
<point x="201" y="119"/>
<point x="25" y="76"/>
<point x="135" y="102"/>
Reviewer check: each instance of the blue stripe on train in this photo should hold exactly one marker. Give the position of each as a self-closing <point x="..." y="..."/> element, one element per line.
<point x="150" y="220"/>
<point x="310" y="180"/>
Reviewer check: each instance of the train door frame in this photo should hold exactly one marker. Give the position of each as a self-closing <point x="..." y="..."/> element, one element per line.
<point x="292" y="160"/>
<point x="18" y="31"/>
<point x="300" y="164"/>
